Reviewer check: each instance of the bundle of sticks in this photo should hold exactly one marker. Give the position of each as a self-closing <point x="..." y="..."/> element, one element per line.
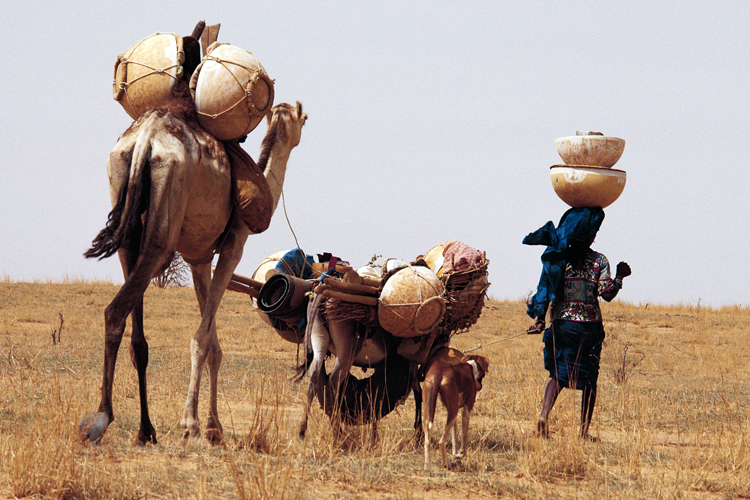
<point x="245" y="285"/>
<point x="352" y="288"/>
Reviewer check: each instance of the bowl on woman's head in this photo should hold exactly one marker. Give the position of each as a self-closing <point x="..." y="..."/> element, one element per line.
<point x="590" y="150"/>
<point x="584" y="186"/>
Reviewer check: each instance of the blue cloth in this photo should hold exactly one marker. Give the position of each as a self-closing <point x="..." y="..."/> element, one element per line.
<point x="577" y="226"/>
<point x="572" y="351"/>
<point x="296" y="263"/>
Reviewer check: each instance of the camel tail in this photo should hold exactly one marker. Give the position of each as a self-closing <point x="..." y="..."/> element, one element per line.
<point x="307" y="361"/>
<point x="309" y="353"/>
<point x="130" y="202"/>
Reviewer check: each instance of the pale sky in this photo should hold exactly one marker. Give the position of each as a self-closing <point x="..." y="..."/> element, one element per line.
<point x="428" y="121"/>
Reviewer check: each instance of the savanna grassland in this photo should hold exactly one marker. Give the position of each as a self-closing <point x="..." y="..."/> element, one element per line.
<point x="671" y="418"/>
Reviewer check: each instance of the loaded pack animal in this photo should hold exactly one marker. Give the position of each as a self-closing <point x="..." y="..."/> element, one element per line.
<point x="456" y="379"/>
<point x="343" y="397"/>
<point x="171" y="191"/>
<point x="343" y="320"/>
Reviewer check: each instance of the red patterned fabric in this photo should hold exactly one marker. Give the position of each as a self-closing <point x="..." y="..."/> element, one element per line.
<point x="459" y="257"/>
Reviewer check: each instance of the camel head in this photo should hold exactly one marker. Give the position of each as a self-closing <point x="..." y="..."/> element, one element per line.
<point x="289" y="120"/>
<point x="285" y="124"/>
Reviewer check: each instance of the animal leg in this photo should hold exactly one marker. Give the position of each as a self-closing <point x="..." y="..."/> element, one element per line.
<point x="205" y="343"/>
<point x="450" y="427"/>
<point x="449" y="395"/>
<point x="190" y="423"/>
<point x="464" y="433"/>
<point x="427" y="426"/>
<point x="202" y="280"/>
<point x="344" y="340"/>
<point x="454" y="439"/>
<point x="139" y="357"/>
<point x="94" y="425"/>
<point x="320" y="339"/>
<point x="418" y="431"/>
<point x="429" y="402"/>
<point x="214" y="429"/>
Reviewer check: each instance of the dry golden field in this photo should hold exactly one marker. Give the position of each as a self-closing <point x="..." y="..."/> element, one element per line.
<point x="671" y="418"/>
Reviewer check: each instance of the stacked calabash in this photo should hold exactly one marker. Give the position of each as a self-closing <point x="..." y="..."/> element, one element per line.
<point x="587" y="178"/>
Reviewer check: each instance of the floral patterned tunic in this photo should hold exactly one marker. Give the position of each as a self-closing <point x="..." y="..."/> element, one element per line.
<point x="581" y="289"/>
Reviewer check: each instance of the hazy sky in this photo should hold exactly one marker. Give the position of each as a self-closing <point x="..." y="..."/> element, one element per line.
<point x="428" y="121"/>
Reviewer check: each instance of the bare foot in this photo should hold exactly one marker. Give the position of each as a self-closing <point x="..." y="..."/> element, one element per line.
<point x="542" y="430"/>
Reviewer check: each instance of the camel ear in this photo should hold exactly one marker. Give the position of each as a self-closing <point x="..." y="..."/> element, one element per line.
<point x="299" y="108"/>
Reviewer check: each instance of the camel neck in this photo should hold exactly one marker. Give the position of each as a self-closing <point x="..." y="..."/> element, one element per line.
<point x="275" y="172"/>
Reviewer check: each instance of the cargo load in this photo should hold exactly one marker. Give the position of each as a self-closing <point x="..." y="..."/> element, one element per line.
<point x="232" y="91"/>
<point x="411" y="303"/>
<point x="146" y="73"/>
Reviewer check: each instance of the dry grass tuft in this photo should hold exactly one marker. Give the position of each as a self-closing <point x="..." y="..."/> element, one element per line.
<point x="43" y="457"/>
<point x="671" y="416"/>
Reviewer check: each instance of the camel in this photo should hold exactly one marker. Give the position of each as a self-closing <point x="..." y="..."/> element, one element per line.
<point x="171" y="190"/>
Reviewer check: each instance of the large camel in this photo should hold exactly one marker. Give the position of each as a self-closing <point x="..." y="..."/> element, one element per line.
<point x="171" y="190"/>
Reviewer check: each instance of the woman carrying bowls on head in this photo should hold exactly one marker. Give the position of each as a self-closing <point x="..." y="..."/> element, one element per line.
<point x="573" y="278"/>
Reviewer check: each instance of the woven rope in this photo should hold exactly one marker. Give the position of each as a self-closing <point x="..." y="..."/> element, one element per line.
<point x="339" y="310"/>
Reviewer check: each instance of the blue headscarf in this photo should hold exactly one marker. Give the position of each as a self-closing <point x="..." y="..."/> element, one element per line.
<point x="576" y="228"/>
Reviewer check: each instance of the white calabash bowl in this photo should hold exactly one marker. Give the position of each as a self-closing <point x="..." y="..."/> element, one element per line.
<point x="590" y="150"/>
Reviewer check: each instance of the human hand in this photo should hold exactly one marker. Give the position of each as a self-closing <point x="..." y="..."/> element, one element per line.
<point x="536" y="328"/>
<point x="623" y="269"/>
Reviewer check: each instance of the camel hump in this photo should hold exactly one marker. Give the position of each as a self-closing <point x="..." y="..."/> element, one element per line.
<point x="253" y="200"/>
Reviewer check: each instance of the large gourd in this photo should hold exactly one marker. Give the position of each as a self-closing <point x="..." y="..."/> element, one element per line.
<point x="411" y="302"/>
<point x="146" y="73"/>
<point x="232" y="91"/>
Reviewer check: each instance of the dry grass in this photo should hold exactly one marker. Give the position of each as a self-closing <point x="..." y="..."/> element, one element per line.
<point x="672" y="416"/>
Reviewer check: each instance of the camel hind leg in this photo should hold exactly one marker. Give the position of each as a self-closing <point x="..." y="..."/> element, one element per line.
<point x="319" y="341"/>
<point x="129" y="299"/>
<point x="139" y="357"/>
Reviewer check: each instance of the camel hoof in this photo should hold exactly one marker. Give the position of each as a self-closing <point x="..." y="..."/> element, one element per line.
<point x="93" y="426"/>
<point x="146" y="438"/>
<point x="214" y="436"/>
